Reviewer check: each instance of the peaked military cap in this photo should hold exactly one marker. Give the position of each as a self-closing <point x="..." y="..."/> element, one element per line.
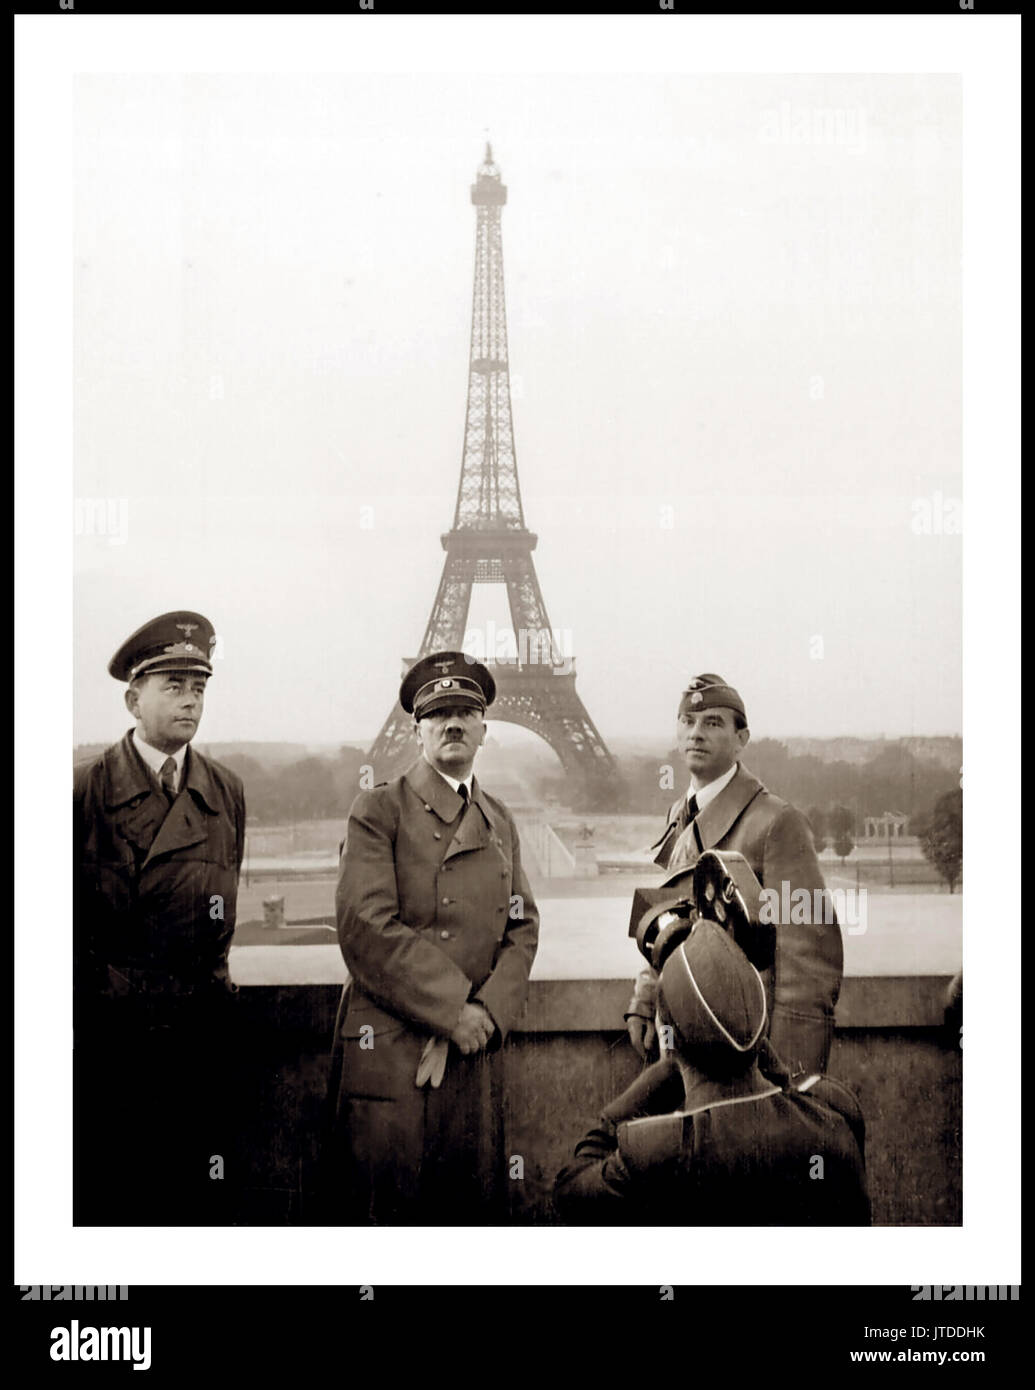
<point x="444" y="679"/>
<point x="171" y="642"/>
<point x="709" y="692"/>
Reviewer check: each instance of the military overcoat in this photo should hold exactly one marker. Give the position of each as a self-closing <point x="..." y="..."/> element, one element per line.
<point x="433" y="910"/>
<point x="155" y="885"/>
<point x="155" y="896"/>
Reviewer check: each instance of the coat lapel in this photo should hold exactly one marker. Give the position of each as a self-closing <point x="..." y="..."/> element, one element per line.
<point x="663" y="844"/>
<point x="479" y="799"/>
<point x="126" y="776"/>
<point x="472" y="833"/>
<point x="128" y="780"/>
<point x="185" y="823"/>
<point x="182" y="827"/>
<point x="141" y="826"/>
<point x="477" y="827"/>
<point x="717" y="818"/>
<point x="435" y="792"/>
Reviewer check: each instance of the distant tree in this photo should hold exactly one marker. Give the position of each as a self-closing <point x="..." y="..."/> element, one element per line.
<point x="246" y="767"/>
<point x="918" y="824"/>
<point x="817" y="819"/>
<point x="260" y="790"/>
<point x="305" y="790"/>
<point x="841" y="829"/>
<point x="942" y="837"/>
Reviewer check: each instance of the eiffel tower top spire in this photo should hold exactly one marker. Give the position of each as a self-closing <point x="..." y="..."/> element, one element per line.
<point x="488" y="498"/>
<point x="488" y="187"/>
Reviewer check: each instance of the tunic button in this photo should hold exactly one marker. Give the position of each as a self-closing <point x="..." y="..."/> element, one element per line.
<point x="444" y="935"/>
<point x="426" y="806"/>
<point x="503" y="873"/>
<point x="501" y="909"/>
<point x="438" y="834"/>
<point x="445" y="902"/>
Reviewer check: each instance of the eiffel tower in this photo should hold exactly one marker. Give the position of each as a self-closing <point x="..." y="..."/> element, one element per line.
<point x="490" y="544"/>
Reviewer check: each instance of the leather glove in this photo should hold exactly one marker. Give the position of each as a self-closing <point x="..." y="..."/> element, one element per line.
<point x="642" y="1035"/>
<point x="432" y="1064"/>
<point x="639" y="1017"/>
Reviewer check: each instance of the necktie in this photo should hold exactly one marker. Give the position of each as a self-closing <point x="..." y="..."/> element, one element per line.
<point x="463" y="793"/>
<point x="687" y="813"/>
<point x="167" y="777"/>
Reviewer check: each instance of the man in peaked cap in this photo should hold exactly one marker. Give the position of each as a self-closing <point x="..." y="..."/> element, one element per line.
<point x="725" y="807"/>
<point x="703" y="1137"/>
<point x="159" y="838"/>
<point x="438" y="928"/>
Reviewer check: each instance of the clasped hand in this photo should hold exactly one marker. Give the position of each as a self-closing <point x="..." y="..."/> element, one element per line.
<point x="473" y="1028"/>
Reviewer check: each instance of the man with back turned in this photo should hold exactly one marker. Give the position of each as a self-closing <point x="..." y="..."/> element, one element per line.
<point x="705" y="1136"/>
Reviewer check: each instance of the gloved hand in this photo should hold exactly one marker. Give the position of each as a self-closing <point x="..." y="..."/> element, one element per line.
<point x="639" y="1017"/>
<point x="432" y="1064"/>
<point x="642" y="1034"/>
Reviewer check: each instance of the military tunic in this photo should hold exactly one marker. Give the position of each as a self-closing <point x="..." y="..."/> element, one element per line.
<point x="433" y="910"/>
<point x="771" y="1155"/>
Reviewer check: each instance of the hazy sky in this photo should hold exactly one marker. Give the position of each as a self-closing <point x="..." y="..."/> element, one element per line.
<point x="734" y="319"/>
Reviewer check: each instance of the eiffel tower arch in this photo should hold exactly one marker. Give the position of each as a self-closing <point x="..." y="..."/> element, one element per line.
<point x="489" y="543"/>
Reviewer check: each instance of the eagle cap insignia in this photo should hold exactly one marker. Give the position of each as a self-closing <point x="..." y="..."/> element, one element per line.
<point x="444" y="666"/>
<point x="186" y="628"/>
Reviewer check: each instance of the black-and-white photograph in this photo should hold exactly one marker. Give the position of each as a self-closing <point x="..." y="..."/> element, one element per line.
<point x="517" y="623"/>
<point x="517" y="709"/>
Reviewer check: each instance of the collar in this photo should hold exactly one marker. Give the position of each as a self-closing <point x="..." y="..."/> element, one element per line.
<point x="718" y="816"/>
<point x="154" y="758"/>
<point x="439" y="792"/>
<point x="706" y="1093"/>
<point x="127" y="775"/>
<point x="457" y="785"/>
<point x="712" y="789"/>
<point x="715" y="821"/>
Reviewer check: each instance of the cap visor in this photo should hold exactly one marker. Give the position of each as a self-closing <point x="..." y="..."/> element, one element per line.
<point x="150" y="668"/>
<point x="448" y="699"/>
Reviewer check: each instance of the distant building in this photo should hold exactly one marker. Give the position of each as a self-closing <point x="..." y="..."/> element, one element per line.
<point x="891" y="825"/>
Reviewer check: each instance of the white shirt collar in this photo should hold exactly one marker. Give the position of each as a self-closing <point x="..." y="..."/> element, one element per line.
<point x="712" y="789"/>
<point x="455" y="784"/>
<point x="154" y="757"/>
